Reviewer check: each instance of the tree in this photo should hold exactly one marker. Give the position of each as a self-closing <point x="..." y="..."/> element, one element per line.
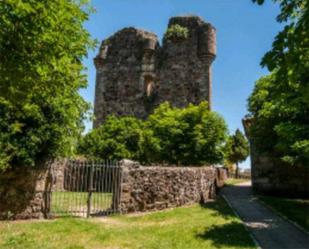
<point x="115" y="139"/>
<point x="279" y="103"/>
<point x="189" y="136"/>
<point x="237" y="149"/>
<point x="42" y="44"/>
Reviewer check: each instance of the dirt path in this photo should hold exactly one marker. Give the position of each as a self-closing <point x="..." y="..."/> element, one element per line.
<point x="268" y="229"/>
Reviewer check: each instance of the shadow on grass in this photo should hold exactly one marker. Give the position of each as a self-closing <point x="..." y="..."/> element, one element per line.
<point x="232" y="234"/>
<point x="220" y="208"/>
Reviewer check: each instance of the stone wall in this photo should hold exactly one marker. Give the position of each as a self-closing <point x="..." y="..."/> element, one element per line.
<point x="135" y="74"/>
<point x="154" y="188"/>
<point x="22" y="194"/>
<point x="25" y="193"/>
<point x="270" y="175"/>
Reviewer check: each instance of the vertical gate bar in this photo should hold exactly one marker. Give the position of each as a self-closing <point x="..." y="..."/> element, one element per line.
<point x="90" y="191"/>
<point x="77" y="194"/>
<point x="118" y="185"/>
<point x="52" y="175"/>
<point x="78" y="187"/>
<point x="94" y="188"/>
<point x="65" y="173"/>
<point x="109" y="182"/>
<point x="82" y="190"/>
<point x="67" y="195"/>
<point x="86" y="186"/>
<point x="62" y="188"/>
<point x="113" y="185"/>
<point x="98" y="187"/>
<point x="81" y="179"/>
<point x="103" y="186"/>
<point x="65" y="187"/>
<point x="73" y="187"/>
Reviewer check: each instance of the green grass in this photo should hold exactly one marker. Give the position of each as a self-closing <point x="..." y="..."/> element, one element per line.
<point x="212" y="226"/>
<point x="233" y="181"/>
<point x="75" y="203"/>
<point x="296" y="210"/>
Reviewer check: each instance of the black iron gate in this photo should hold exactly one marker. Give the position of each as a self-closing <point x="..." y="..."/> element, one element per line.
<point x="85" y="188"/>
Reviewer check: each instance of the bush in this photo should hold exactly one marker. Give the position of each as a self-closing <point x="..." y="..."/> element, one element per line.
<point x="117" y="138"/>
<point x="189" y="136"/>
<point x="176" y="32"/>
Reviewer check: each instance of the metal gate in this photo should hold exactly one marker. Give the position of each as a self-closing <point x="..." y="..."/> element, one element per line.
<point x="85" y="188"/>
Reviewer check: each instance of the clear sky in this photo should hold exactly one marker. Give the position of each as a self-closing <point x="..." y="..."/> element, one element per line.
<point x="245" y="31"/>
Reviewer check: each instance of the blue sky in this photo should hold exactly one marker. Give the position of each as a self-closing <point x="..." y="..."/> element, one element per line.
<point x="245" y="31"/>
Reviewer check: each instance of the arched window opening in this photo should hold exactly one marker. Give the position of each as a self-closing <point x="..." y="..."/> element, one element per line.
<point x="149" y="85"/>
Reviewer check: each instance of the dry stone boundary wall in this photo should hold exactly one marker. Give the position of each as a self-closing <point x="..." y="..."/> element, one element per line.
<point x="25" y="193"/>
<point x="155" y="188"/>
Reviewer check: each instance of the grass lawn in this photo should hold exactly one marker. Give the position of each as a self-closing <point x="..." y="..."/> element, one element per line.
<point x="233" y="181"/>
<point x="75" y="203"/>
<point x="194" y="227"/>
<point x="296" y="210"/>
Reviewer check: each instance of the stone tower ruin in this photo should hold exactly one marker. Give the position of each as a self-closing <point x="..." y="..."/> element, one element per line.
<point x="135" y="73"/>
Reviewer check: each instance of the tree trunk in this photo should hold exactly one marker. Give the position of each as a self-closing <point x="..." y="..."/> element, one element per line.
<point x="237" y="171"/>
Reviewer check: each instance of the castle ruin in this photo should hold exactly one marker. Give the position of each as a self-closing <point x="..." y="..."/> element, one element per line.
<point x="135" y="73"/>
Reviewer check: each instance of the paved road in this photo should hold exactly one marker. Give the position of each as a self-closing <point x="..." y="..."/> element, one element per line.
<point x="269" y="230"/>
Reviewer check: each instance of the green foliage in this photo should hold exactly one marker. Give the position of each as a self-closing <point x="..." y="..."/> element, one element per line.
<point x="189" y="136"/>
<point x="42" y="44"/>
<point x="116" y="139"/>
<point x="176" y="32"/>
<point x="280" y="101"/>
<point x="193" y="135"/>
<point x="237" y="147"/>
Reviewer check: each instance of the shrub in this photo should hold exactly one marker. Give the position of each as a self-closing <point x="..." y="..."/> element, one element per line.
<point x="117" y="138"/>
<point x="176" y="32"/>
<point x="189" y="136"/>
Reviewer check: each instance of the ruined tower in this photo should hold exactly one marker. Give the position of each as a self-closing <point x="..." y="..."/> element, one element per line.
<point x="135" y="74"/>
